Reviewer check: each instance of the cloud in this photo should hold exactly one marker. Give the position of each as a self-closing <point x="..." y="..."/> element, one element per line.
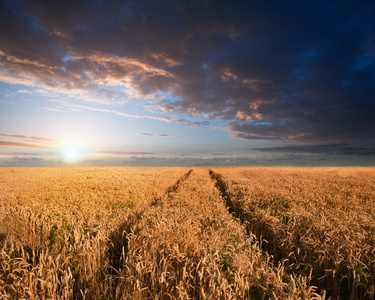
<point x="335" y="149"/>
<point x="25" y="92"/>
<point x="123" y="153"/>
<point x="163" y="57"/>
<point x="15" y="140"/>
<point x="122" y="158"/>
<point x="33" y="138"/>
<point x="16" y="144"/>
<point x="21" y="154"/>
<point x="13" y="135"/>
<point x="26" y="159"/>
<point x="152" y="134"/>
<point x="41" y="139"/>
<point x="270" y="72"/>
<point x="79" y="107"/>
<point x="53" y="109"/>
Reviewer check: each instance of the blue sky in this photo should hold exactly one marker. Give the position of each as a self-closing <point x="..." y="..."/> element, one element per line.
<point x="187" y="83"/>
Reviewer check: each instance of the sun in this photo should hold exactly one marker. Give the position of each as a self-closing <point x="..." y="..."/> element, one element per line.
<point x="72" y="153"/>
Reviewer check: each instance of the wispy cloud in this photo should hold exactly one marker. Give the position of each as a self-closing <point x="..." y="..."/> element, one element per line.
<point x="17" y="140"/>
<point x="164" y="57"/>
<point x="34" y="138"/>
<point x="124" y="153"/>
<point x="130" y="115"/>
<point x="129" y="64"/>
<point x="153" y="134"/>
<point x="16" y="144"/>
<point x="13" y="135"/>
<point x="335" y="149"/>
<point x="53" y="109"/>
<point x="25" y="92"/>
<point x="10" y="154"/>
<point x="244" y="64"/>
<point x="42" y="139"/>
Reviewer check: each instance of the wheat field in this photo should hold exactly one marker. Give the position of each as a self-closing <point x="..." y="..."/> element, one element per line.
<point x="187" y="233"/>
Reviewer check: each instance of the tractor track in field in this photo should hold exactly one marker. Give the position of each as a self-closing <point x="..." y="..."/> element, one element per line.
<point x="118" y="242"/>
<point x="171" y="189"/>
<point x="234" y="207"/>
<point x="237" y="210"/>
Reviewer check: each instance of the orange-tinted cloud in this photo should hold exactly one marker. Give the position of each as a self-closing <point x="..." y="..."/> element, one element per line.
<point x="16" y="144"/>
<point x="206" y="59"/>
<point x="16" y="140"/>
<point x="163" y="57"/>
<point x="34" y="138"/>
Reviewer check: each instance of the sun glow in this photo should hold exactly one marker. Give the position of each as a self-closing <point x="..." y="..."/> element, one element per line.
<point x="72" y="152"/>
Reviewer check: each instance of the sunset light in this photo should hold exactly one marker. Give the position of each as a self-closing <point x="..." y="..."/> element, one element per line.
<point x="187" y="83"/>
<point x="187" y="149"/>
<point x="72" y="153"/>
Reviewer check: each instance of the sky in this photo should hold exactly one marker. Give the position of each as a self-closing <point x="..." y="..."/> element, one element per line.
<point x="198" y="83"/>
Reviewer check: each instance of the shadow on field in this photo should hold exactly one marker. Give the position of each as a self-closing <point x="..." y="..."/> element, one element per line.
<point x="2" y="238"/>
<point x="118" y="242"/>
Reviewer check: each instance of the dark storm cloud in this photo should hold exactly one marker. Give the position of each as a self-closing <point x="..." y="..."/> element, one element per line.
<point x="300" y="71"/>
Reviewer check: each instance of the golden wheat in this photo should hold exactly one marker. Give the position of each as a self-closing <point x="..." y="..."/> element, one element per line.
<point x="175" y="233"/>
<point x="313" y="220"/>
<point x="56" y="226"/>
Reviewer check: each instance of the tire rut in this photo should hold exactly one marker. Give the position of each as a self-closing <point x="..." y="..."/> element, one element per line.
<point x="118" y="240"/>
<point x="171" y="189"/>
<point x="234" y="207"/>
<point x="237" y="209"/>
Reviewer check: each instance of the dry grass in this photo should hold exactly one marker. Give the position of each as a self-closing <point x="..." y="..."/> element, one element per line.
<point x="169" y="233"/>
